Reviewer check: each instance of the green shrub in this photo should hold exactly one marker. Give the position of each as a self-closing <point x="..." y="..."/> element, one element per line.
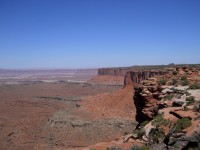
<point x="196" y="108"/>
<point x="182" y="124"/>
<point x="175" y="73"/>
<point x="168" y="96"/>
<point x="185" y="108"/>
<point x="156" y="135"/>
<point x="159" y="121"/>
<point x="190" y="100"/>
<point x="183" y="78"/>
<point x="140" y="132"/>
<point x="185" y="82"/>
<point x="174" y="82"/>
<point x="135" y="148"/>
<point x="162" y="81"/>
<point x="194" y="86"/>
<point x="125" y="133"/>
<point x="144" y="123"/>
<point x="144" y="147"/>
<point x="114" y="148"/>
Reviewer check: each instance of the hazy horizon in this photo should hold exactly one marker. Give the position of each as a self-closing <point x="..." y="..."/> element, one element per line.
<point x="96" y="34"/>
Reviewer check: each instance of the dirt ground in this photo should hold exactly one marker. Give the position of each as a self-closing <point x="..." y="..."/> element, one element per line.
<point x="62" y="115"/>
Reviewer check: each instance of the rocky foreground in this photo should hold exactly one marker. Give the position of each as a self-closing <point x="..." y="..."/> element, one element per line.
<point x="167" y="105"/>
<point x="168" y="110"/>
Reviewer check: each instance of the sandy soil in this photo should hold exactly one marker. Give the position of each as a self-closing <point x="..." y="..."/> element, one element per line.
<point x="63" y="115"/>
<point x="107" y="80"/>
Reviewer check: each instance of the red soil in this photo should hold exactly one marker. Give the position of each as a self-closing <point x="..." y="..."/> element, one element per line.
<point x="107" y="80"/>
<point x="116" y="104"/>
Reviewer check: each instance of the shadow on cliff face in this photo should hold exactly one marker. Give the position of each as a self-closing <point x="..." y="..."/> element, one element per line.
<point x="139" y="103"/>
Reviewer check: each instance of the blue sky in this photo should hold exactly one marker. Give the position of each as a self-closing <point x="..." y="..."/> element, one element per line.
<point x="98" y="33"/>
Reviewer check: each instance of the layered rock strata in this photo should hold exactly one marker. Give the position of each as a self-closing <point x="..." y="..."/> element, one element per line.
<point x="134" y="77"/>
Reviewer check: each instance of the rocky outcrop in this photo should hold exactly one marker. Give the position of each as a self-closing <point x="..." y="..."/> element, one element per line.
<point x="144" y="99"/>
<point x="132" y="77"/>
<point x="135" y="74"/>
<point x="171" y="113"/>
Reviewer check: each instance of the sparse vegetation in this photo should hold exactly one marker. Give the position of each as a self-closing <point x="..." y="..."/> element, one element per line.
<point x="140" y="132"/>
<point x="156" y="134"/>
<point x="144" y="123"/>
<point x="159" y="121"/>
<point x="174" y="82"/>
<point x="162" y="81"/>
<point x="183" y="78"/>
<point x="114" y="148"/>
<point x="144" y="147"/>
<point x="125" y="133"/>
<point x="185" y="108"/>
<point x="175" y="73"/>
<point x="168" y="96"/>
<point x="184" y="81"/>
<point x="190" y="100"/>
<point x="182" y="124"/>
<point x="194" y="86"/>
<point x="196" y="108"/>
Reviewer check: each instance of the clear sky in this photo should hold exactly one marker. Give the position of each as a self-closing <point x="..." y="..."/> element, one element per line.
<point x="98" y="33"/>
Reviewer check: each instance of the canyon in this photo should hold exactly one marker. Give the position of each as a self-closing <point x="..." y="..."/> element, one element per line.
<point x="98" y="109"/>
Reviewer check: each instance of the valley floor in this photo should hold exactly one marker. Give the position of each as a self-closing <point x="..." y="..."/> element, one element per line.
<point x="63" y="115"/>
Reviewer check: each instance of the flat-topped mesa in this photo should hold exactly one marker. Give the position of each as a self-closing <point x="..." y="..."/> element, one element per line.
<point x="134" y="77"/>
<point x="113" y="71"/>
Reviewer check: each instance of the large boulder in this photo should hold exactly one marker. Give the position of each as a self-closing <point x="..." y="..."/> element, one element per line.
<point x="178" y="102"/>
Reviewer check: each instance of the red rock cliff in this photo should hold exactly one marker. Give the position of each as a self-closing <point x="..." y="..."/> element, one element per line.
<point x="137" y="76"/>
<point x="113" y="71"/>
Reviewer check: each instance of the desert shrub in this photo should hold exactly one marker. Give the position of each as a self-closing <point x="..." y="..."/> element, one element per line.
<point x="182" y="124"/>
<point x="159" y="121"/>
<point x="140" y="132"/>
<point x="162" y="81"/>
<point x="144" y="123"/>
<point x="183" y="78"/>
<point x="185" y="108"/>
<point x="196" y="108"/>
<point x="194" y="86"/>
<point x="168" y="96"/>
<point x="156" y="135"/>
<point x="144" y="147"/>
<point x="174" y="82"/>
<point x="135" y="148"/>
<point x="114" y="148"/>
<point x="190" y="100"/>
<point x="175" y="73"/>
<point x="184" y="81"/>
<point x="125" y="133"/>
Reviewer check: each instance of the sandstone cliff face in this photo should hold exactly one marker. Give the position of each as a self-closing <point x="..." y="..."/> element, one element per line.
<point x="113" y="71"/>
<point x="137" y="76"/>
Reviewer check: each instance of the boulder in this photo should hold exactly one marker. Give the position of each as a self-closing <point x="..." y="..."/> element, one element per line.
<point x="165" y="91"/>
<point x="178" y="102"/>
